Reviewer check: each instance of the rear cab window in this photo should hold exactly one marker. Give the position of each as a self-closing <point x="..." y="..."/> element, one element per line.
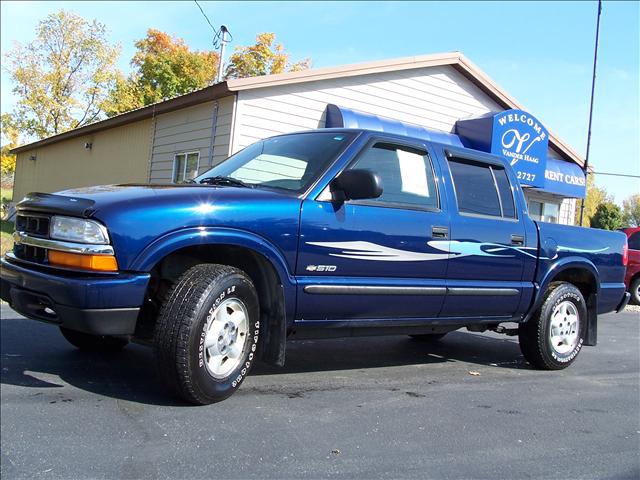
<point x="482" y="189"/>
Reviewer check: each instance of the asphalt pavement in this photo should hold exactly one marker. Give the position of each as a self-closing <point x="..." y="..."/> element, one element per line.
<point x="377" y="407"/>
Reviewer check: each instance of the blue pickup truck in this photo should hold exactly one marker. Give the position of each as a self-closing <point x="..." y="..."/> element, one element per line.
<point x="334" y="232"/>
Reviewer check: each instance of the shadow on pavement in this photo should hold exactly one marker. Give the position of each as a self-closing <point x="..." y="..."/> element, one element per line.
<point x="36" y="355"/>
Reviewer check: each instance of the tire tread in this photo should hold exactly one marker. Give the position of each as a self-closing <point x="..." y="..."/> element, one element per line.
<point x="175" y="324"/>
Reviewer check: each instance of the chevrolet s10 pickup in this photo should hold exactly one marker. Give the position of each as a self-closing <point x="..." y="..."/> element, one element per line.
<point x="333" y="232"/>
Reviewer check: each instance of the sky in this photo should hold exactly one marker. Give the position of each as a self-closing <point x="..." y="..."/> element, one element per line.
<point x="539" y="52"/>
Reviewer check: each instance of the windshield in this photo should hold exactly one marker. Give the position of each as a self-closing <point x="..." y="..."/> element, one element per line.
<point x="290" y="162"/>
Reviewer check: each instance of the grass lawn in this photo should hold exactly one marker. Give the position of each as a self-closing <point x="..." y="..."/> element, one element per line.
<point x="6" y="241"/>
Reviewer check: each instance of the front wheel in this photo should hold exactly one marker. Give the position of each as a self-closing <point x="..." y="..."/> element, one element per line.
<point x="207" y="333"/>
<point x="553" y="337"/>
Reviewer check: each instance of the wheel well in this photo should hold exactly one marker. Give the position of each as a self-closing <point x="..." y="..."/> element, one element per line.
<point x="585" y="281"/>
<point x="262" y="273"/>
<point x="582" y="278"/>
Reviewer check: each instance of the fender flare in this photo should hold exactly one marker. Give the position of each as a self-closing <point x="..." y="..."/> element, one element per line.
<point x="558" y="267"/>
<point x="194" y="236"/>
<point x="565" y="264"/>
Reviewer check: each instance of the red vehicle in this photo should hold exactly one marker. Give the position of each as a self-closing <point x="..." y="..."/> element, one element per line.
<point x="632" y="278"/>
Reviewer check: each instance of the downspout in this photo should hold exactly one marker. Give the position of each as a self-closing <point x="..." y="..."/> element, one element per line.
<point x="214" y="126"/>
<point x="153" y="141"/>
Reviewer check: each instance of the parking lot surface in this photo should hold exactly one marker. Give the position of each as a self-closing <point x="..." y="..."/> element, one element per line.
<point x="381" y="407"/>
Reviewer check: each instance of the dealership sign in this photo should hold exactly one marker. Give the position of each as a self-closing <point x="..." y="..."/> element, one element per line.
<point x="523" y="141"/>
<point x="564" y="178"/>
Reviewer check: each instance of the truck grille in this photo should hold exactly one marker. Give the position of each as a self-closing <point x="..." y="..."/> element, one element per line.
<point x="30" y="253"/>
<point x="35" y="225"/>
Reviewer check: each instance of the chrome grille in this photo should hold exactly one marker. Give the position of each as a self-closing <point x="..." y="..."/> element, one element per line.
<point x="36" y="225"/>
<point x="30" y="253"/>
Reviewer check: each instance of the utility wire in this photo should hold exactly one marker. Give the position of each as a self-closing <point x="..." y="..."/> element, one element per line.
<point x="217" y="33"/>
<point x="614" y="174"/>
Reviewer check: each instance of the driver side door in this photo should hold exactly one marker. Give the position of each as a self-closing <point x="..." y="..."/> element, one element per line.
<point x="371" y="259"/>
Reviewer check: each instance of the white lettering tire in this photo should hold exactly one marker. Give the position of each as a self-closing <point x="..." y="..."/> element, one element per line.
<point x="554" y="335"/>
<point x="207" y="333"/>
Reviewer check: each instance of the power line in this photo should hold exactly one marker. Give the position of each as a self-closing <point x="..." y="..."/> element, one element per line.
<point x="614" y="174"/>
<point x="217" y="33"/>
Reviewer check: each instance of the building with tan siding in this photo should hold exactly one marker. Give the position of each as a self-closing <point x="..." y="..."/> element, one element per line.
<point x="179" y="138"/>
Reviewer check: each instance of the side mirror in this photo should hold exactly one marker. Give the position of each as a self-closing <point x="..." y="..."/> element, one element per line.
<point x="356" y="184"/>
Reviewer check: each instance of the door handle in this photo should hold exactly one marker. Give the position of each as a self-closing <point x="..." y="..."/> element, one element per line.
<point x="440" y="232"/>
<point x="517" y="240"/>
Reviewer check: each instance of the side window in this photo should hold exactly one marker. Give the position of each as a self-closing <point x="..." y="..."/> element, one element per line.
<point x="535" y="210"/>
<point x="505" y="192"/>
<point x="406" y="174"/>
<point x="482" y="189"/>
<point x="634" y="241"/>
<point x="185" y="166"/>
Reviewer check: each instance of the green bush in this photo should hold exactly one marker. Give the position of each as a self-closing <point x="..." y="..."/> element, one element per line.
<point x="608" y="216"/>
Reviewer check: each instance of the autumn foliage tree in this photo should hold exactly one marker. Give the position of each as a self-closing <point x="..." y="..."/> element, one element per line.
<point x="67" y="77"/>
<point x="62" y="76"/>
<point x="595" y="196"/>
<point x="9" y="134"/>
<point x="163" y="67"/>
<point x="262" y="58"/>
<point x="631" y="210"/>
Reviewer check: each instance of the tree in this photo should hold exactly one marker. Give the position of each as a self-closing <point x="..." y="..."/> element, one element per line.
<point x="263" y="58"/>
<point x="608" y="216"/>
<point x="164" y="67"/>
<point x="631" y="210"/>
<point x="595" y="196"/>
<point x="62" y="76"/>
<point x="10" y="135"/>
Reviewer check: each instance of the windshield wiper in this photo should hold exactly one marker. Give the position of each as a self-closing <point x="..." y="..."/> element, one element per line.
<point x="222" y="180"/>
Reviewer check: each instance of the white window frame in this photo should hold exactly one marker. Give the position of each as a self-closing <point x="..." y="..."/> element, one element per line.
<point x="184" y="171"/>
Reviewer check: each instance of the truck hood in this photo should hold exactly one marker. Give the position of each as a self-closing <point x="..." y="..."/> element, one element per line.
<point x="92" y="201"/>
<point x="136" y="215"/>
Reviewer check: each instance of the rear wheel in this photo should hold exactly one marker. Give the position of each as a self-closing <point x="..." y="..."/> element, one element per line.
<point x="428" y="337"/>
<point x="93" y="343"/>
<point x="553" y="337"/>
<point x="207" y="333"/>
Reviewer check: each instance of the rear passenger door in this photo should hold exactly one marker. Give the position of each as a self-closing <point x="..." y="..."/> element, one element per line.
<point x="485" y="271"/>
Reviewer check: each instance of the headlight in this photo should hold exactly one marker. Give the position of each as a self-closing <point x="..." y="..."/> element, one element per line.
<point x="78" y="230"/>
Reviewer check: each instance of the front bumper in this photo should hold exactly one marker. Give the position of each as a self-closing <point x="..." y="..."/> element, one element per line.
<point x="95" y="304"/>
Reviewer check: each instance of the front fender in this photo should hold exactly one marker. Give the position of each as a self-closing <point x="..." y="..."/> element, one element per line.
<point x="189" y="237"/>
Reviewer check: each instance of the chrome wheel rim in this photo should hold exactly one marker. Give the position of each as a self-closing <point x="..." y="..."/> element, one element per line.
<point x="563" y="331"/>
<point x="226" y="336"/>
